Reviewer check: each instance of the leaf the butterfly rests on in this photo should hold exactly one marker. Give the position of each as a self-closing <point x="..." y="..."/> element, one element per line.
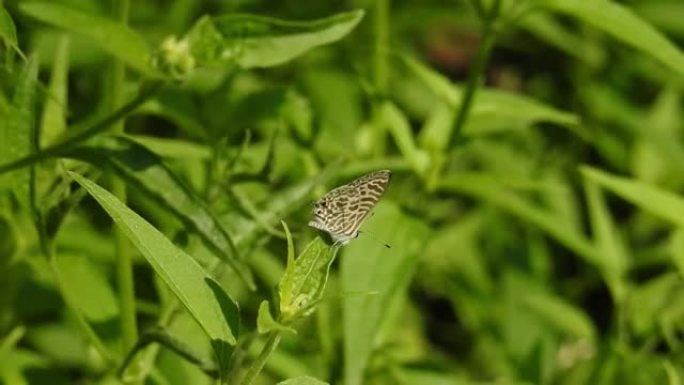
<point x="342" y="211"/>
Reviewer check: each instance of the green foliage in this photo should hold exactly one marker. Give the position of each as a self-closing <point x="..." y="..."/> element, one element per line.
<point x="122" y="42"/>
<point x="214" y="310"/>
<point x="535" y="214"/>
<point x="304" y="380"/>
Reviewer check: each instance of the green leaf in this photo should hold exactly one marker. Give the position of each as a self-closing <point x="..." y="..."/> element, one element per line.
<point x="483" y="187"/>
<point x="396" y="122"/>
<point x="87" y="287"/>
<point x="546" y="28"/>
<point x="663" y="14"/>
<point x="623" y="24"/>
<point x="409" y="376"/>
<point x="173" y="148"/>
<point x="303" y="380"/>
<point x="648" y="303"/>
<point x="146" y="172"/>
<point x="376" y="279"/>
<point x="303" y="285"/>
<point x="53" y="123"/>
<point x="207" y="302"/>
<point x="434" y="135"/>
<point x="101" y="124"/>
<point x="255" y="41"/>
<point x="661" y="203"/>
<point x="8" y="32"/>
<point x="562" y="315"/>
<point x="492" y="110"/>
<point x="677" y="250"/>
<point x="614" y="258"/>
<point x="266" y="323"/>
<point x="278" y="206"/>
<point x="117" y="39"/>
<point x="286" y="285"/>
<point x="673" y="376"/>
<point x="16" y="130"/>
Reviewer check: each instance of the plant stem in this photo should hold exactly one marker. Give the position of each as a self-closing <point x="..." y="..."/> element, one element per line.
<point x="124" y="267"/>
<point x="258" y="364"/>
<point x="381" y="44"/>
<point x="477" y="70"/>
<point x="380" y="71"/>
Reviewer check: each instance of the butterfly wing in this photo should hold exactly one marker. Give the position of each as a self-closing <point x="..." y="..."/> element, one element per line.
<point x="341" y="211"/>
<point x="369" y="189"/>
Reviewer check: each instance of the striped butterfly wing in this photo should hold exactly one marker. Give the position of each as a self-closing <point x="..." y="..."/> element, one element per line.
<point x="343" y="210"/>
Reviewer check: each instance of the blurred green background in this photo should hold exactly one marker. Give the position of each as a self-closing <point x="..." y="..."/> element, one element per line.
<point x="535" y="210"/>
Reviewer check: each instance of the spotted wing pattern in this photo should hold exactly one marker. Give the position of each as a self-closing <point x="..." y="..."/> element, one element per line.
<point x="341" y="211"/>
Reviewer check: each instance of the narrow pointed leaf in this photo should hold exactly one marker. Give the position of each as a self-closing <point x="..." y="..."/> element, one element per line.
<point x="492" y="110"/>
<point x="483" y="187"/>
<point x="613" y="262"/>
<point x="255" y="41"/>
<point x="623" y="24"/>
<point x="206" y="301"/>
<point x="146" y="172"/>
<point x="661" y="203"/>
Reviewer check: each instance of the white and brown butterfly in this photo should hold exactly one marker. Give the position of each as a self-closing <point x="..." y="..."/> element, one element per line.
<point x="342" y="210"/>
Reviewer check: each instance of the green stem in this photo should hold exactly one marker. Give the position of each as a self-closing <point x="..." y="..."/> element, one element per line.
<point x="258" y="364"/>
<point x="477" y="71"/>
<point x="380" y="71"/>
<point x="124" y="265"/>
<point x="381" y="44"/>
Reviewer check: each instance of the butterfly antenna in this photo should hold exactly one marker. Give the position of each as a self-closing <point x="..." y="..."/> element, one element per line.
<point x="376" y="239"/>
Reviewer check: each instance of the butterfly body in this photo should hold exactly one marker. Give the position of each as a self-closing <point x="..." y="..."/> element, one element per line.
<point x="341" y="211"/>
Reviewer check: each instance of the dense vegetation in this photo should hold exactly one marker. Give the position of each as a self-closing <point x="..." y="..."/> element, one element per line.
<point x="158" y="160"/>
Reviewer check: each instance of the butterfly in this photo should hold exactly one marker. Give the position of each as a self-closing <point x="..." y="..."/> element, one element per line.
<point x="342" y="210"/>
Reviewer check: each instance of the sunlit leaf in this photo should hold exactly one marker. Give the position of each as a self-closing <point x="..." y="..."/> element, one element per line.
<point x="204" y="298"/>
<point x="144" y="170"/>
<point x="256" y="41"/>
<point x="266" y="322"/>
<point x="303" y="285"/>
